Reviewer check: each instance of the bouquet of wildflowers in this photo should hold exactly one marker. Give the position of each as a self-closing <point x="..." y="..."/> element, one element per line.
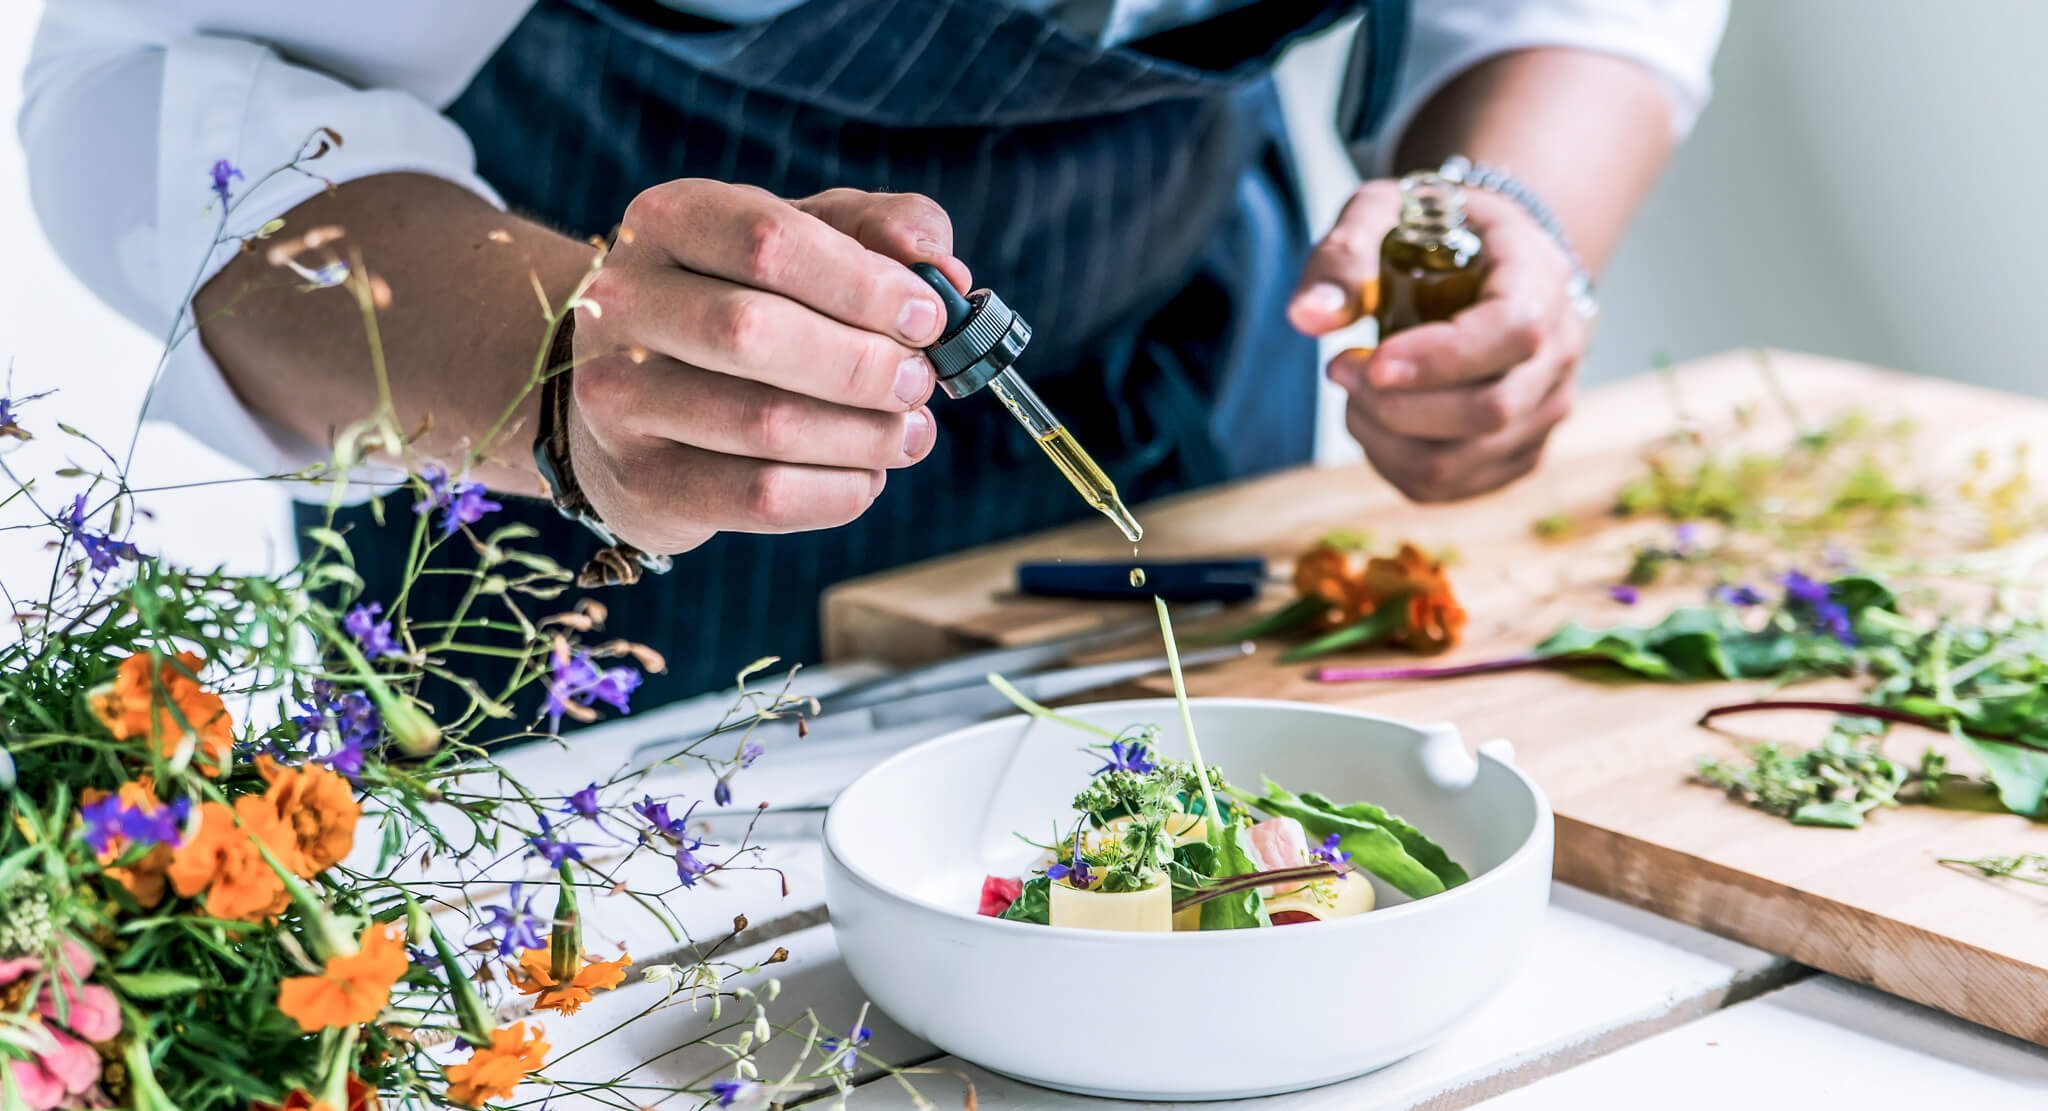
<point x="209" y="784"/>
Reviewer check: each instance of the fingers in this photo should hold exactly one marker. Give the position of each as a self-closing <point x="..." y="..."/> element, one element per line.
<point x="1457" y="413"/>
<point x="666" y="400"/>
<point x="907" y="227"/>
<point x="762" y="336"/>
<point x="1448" y="470"/>
<point x="751" y="238"/>
<point x="1346" y="263"/>
<point x="728" y="493"/>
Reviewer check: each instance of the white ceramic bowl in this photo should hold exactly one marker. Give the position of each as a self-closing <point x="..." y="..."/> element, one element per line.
<point x="1187" y="1015"/>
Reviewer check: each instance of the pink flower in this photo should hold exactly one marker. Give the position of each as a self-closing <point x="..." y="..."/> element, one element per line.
<point x="63" y="1070"/>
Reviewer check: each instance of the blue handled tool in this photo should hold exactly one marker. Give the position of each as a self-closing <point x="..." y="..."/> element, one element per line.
<point x="1234" y="579"/>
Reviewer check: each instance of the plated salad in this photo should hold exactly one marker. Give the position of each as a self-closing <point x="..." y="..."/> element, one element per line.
<point x="1157" y="844"/>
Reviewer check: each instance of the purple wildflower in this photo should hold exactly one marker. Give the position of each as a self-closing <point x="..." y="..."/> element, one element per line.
<point x="555" y="851"/>
<point x="575" y="682"/>
<point x="728" y="1092"/>
<point x="515" y="925"/>
<point x="102" y="551"/>
<point x="1624" y="593"/>
<point x="1683" y="538"/>
<point x="843" y="1053"/>
<point x="1330" y="854"/>
<point x="224" y="171"/>
<point x="352" y="721"/>
<point x="422" y="956"/>
<point x="750" y="753"/>
<point x="1076" y="873"/>
<point x="1740" y="595"/>
<point x="1134" y="758"/>
<point x="10" y="423"/>
<point x="688" y="867"/>
<point x="461" y="503"/>
<point x="102" y="822"/>
<point x="1816" y="600"/>
<point x="583" y="803"/>
<point x="722" y="792"/>
<point x="374" y="635"/>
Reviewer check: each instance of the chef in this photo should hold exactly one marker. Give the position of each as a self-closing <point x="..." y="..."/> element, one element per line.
<point x="749" y="393"/>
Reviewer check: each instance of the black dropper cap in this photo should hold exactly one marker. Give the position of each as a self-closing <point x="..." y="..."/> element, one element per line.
<point x="983" y="336"/>
<point x="957" y="307"/>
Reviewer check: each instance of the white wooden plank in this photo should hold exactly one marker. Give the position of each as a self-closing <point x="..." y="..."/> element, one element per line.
<point x="640" y="1055"/>
<point x="1823" y="1042"/>
<point x="1599" y="975"/>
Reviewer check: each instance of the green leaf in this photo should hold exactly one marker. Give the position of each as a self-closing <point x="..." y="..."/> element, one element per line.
<point x="2021" y="774"/>
<point x="1286" y="619"/>
<point x="1033" y="904"/>
<point x="1429" y="853"/>
<point x="1373" y="627"/>
<point x="1230" y="844"/>
<point x="1840" y="814"/>
<point x="155" y="985"/>
<point x="1372" y="847"/>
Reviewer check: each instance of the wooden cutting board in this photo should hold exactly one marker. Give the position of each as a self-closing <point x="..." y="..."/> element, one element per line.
<point x="1616" y="757"/>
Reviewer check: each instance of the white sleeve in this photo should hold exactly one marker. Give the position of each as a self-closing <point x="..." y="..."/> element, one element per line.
<point x="1675" y="39"/>
<point x="128" y="104"/>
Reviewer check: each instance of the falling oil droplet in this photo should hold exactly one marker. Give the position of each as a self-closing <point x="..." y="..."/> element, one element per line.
<point x="1137" y="576"/>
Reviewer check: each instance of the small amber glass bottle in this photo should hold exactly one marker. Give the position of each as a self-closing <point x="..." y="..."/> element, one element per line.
<point x="1431" y="265"/>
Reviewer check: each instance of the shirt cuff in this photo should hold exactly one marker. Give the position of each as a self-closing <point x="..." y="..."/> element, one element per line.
<point x="233" y="100"/>
<point x="1676" y="42"/>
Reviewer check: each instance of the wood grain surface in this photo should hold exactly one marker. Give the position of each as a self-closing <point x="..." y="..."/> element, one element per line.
<point x="1616" y="757"/>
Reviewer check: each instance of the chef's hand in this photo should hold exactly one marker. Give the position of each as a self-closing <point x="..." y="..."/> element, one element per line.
<point x="1453" y="409"/>
<point x="746" y="363"/>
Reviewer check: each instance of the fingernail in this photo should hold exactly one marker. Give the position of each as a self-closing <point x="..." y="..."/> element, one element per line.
<point x="1394" y="372"/>
<point x="919" y="319"/>
<point x="917" y="432"/>
<point x="913" y="380"/>
<point x="1324" y="297"/>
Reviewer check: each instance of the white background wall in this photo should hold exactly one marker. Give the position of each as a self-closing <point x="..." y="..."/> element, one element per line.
<point x="1867" y="183"/>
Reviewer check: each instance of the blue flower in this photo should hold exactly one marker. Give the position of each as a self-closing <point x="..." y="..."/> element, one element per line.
<point x="1683" y="538"/>
<point x="1741" y="595"/>
<point x="102" y="551"/>
<point x="422" y="956"/>
<point x="351" y="719"/>
<point x="1133" y="758"/>
<point x="1328" y="853"/>
<point x="223" y="172"/>
<point x="1816" y="600"/>
<point x="1076" y="873"/>
<point x="728" y="1092"/>
<point x="10" y="423"/>
<point x="722" y="792"/>
<point x="1624" y="593"/>
<point x="749" y="753"/>
<point x="843" y="1053"/>
<point x="657" y="815"/>
<point x="102" y="822"/>
<point x="460" y="503"/>
<point x="373" y="635"/>
<point x="555" y="852"/>
<point x="584" y="803"/>
<point x="575" y="682"/>
<point x="515" y="925"/>
<point x="688" y="867"/>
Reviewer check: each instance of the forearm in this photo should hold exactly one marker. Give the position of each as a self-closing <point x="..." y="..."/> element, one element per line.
<point x="459" y="337"/>
<point x="1587" y="131"/>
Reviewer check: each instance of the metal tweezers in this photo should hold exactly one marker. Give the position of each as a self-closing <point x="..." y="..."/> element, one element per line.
<point x="957" y="691"/>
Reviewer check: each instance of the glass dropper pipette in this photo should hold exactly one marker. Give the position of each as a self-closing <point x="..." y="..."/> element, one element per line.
<point x="982" y="340"/>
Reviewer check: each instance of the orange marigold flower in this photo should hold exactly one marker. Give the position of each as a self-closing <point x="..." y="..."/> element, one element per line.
<point x="1336" y="575"/>
<point x="535" y="976"/>
<point x="361" y="1097"/>
<point x="224" y="861"/>
<point x="352" y="989"/>
<point x="494" y="1070"/>
<point x="1434" y="619"/>
<point x="152" y="696"/>
<point x="319" y="808"/>
<point x="144" y="879"/>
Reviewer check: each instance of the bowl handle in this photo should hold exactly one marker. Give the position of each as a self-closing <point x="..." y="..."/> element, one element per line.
<point x="1445" y="761"/>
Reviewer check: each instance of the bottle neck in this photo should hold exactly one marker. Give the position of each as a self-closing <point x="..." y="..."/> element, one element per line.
<point x="1432" y="211"/>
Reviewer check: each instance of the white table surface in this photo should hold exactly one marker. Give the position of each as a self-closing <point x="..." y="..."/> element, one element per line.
<point x="1614" y="1007"/>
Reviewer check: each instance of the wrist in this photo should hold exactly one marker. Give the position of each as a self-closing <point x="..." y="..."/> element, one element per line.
<point x="1481" y="175"/>
<point x="554" y="456"/>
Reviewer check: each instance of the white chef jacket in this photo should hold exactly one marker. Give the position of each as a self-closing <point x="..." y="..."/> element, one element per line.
<point x="129" y="103"/>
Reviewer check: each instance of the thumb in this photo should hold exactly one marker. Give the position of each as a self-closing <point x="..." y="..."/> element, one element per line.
<point x="1340" y="283"/>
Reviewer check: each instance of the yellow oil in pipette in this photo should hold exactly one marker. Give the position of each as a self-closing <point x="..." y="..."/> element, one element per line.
<point x="1065" y="452"/>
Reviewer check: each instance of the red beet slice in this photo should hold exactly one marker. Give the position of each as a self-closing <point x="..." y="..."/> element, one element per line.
<point x="1280" y="918"/>
<point x="997" y="893"/>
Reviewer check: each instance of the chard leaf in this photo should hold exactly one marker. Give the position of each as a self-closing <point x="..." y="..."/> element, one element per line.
<point x="1429" y="853"/>
<point x="2021" y="774"/>
<point x="1372" y="847"/>
<point x="1231" y="845"/>
<point x="1033" y="904"/>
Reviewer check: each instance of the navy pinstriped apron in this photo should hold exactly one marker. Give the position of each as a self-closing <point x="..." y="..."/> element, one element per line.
<point x="1135" y="203"/>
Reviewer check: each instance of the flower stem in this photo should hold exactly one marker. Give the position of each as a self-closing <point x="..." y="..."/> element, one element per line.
<point x="1232" y="884"/>
<point x="1865" y="710"/>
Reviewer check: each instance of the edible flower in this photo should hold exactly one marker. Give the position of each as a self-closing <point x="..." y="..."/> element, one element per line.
<point x="1133" y="757"/>
<point x="1328" y="853"/>
<point x="514" y="925"/>
<point x="1074" y="874"/>
<point x="353" y="988"/>
<point x="459" y="502"/>
<point x="224" y="860"/>
<point x="60" y="1068"/>
<point x="224" y="172"/>
<point x="728" y="1092"/>
<point x="1624" y="593"/>
<point x="131" y="817"/>
<point x="318" y="807"/>
<point x="374" y="636"/>
<point x="1417" y="582"/>
<point x="494" y="1071"/>
<point x="1355" y="601"/>
<point x="842" y="1054"/>
<point x="1816" y="600"/>
<point x="154" y="697"/>
<point x="102" y="551"/>
<point x="551" y="849"/>
<point x="535" y="976"/>
<point x="1739" y="595"/>
<point x="575" y="682"/>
